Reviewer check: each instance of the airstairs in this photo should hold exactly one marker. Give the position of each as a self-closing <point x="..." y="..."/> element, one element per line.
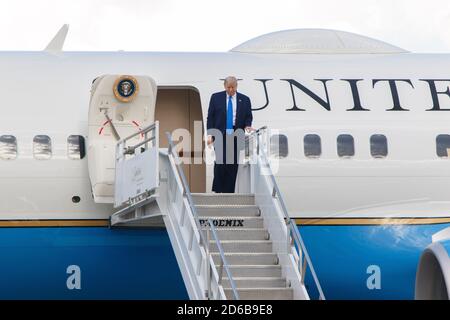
<point x="228" y="246"/>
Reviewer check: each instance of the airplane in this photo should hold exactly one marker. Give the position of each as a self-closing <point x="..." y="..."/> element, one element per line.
<point x="360" y="132"/>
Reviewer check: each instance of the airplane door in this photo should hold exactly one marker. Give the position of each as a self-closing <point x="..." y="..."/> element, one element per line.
<point x="119" y="107"/>
<point x="180" y="108"/>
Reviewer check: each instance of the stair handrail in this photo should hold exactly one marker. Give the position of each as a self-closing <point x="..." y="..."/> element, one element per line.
<point x="223" y="263"/>
<point x="203" y="241"/>
<point x="150" y="139"/>
<point x="144" y="133"/>
<point x="289" y="222"/>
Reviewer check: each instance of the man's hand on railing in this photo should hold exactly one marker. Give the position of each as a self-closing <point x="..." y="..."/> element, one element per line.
<point x="209" y="141"/>
<point x="249" y="129"/>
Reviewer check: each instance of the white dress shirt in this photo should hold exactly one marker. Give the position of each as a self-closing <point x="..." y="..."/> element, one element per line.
<point x="233" y="101"/>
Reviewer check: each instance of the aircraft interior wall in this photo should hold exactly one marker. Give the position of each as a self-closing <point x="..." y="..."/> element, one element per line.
<point x="180" y="109"/>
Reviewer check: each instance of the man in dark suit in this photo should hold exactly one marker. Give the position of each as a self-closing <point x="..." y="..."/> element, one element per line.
<point x="229" y="114"/>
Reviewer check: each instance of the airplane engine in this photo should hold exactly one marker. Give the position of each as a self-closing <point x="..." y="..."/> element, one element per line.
<point x="433" y="272"/>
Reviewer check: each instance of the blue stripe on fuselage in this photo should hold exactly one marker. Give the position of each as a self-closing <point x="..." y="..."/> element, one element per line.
<point x="342" y="255"/>
<point x="114" y="264"/>
<point x="446" y="245"/>
<point x="140" y="264"/>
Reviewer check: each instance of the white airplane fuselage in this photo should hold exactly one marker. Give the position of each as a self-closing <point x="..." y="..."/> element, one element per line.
<point x="47" y="94"/>
<point x="402" y="96"/>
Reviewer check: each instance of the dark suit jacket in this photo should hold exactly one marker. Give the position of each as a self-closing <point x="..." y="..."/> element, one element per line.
<point x="217" y="112"/>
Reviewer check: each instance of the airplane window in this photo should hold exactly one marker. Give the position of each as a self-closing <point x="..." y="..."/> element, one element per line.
<point x="312" y="146"/>
<point x="8" y="147"/>
<point x="279" y="146"/>
<point x="76" y="147"/>
<point x="378" y="146"/>
<point x="443" y="145"/>
<point x="345" y="145"/>
<point x="42" y="147"/>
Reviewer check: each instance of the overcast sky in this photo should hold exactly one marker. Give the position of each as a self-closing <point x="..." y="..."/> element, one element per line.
<point x="210" y="25"/>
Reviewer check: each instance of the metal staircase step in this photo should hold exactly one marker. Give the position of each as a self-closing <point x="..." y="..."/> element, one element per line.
<point x="228" y="210"/>
<point x="255" y="271"/>
<point x="233" y="222"/>
<point x="223" y="199"/>
<point x="259" y="263"/>
<point x="241" y="234"/>
<point x="255" y="282"/>
<point x="262" y="293"/>
<point x="247" y="258"/>
<point x="242" y="246"/>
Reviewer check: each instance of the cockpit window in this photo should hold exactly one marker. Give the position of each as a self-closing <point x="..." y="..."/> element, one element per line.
<point x="345" y="146"/>
<point x="8" y="147"/>
<point x="75" y="147"/>
<point x="279" y="146"/>
<point x="42" y="147"/>
<point x="312" y="146"/>
<point x="443" y="145"/>
<point x="378" y="146"/>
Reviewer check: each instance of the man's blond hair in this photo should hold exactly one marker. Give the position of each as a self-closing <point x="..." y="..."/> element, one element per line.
<point x="230" y="79"/>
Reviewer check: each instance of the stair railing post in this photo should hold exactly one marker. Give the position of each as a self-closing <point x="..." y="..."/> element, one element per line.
<point x="221" y="271"/>
<point x="224" y="263"/>
<point x="305" y="264"/>
<point x="289" y="237"/>
<point x="208" y="266"/>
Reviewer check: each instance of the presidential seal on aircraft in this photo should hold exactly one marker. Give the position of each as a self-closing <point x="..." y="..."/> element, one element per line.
<point x="126" y="88"/>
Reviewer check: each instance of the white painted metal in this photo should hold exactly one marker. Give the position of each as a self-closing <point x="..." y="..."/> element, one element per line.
<point x="56" y="45"/>
<point x="433" y="274"/>
<point x="110" y="120"/>
<point x="442" y="235"/>
<point x="315" y="41"/>
<point x="53" y="98"/>
<point x="433" y="270"/>
<point x="137" y="169"/>
<point x="277" y="221"/>
<point x="143" y="213"/>
<point x="253" y="262"/>
<point x="202" y="277"/>
<point x="191" y="220"/>
<point x="181" y="228"/>
<point x="137" y="180"/>
<point x="50" y="94"/>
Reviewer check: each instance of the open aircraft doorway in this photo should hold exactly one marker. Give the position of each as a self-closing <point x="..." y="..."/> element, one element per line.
<point x="180" y="108"/>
